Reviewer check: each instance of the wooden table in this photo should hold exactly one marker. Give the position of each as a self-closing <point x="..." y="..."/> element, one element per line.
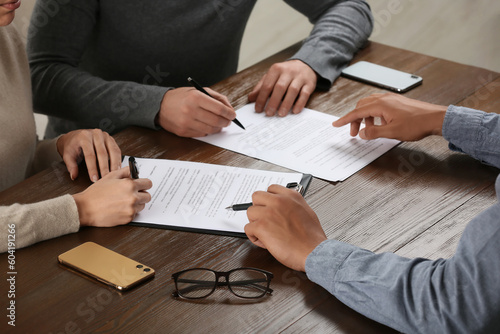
<point x="414" y="200"/>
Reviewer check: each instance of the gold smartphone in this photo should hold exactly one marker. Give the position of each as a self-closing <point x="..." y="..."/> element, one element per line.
<point x="106" y="266"/>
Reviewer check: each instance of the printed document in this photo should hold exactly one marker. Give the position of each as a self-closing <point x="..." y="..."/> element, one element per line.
<point x="306" y="142"/>
<point x="191" y="195"/>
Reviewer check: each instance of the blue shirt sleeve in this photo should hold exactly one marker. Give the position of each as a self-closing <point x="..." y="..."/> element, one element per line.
<point x="473" y="132"/>
<point x="455" y="295"/>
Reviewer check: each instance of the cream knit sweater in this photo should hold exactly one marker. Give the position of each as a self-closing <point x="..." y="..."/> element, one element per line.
<point x="22" y="155"/>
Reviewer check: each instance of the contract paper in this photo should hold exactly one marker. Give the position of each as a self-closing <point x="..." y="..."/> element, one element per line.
<point x="194" y="196"/>
<point x="306" y="142"/>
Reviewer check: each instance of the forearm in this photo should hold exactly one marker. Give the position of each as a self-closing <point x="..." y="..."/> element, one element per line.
<point x="38" y="221"/>
<point x="63" y="88"/>
<point x="473" y="132"/>
<point x="67" y="92"/>
<point x="341" y="29"/>
<point x="379" y="286"/>
<point x="408" y="295"/>
<point x="457" y="295"/>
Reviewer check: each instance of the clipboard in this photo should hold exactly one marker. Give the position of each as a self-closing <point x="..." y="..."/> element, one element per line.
<point x="304" y="182"/>
<point x="147" y="219"/>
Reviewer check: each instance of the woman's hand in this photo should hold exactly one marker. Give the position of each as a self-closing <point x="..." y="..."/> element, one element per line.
<point x="113" y="200"/>
<point x="98" y="148"/>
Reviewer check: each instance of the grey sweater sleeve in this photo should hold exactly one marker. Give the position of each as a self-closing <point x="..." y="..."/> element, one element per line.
<point x="62" y="89"/>
<point x="341" y="28"/>
<point x="31" y="223"/>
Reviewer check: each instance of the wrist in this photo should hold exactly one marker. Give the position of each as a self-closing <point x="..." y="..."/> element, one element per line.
<point x="311" y="249"/>
<point x="81" y="205"/>
<point x="159" y="118"/>
<point x="60" y="145"/>
<point x="437" y="119"/>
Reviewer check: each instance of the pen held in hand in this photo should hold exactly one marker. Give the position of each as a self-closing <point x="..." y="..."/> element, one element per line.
<point x="134" y="171"/>
<point x="239" y="207"/>
<point x="244" y="206"/>
<point x="201" y="89"/>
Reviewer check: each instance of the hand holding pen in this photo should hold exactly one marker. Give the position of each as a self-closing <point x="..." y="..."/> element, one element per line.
<point x="114" y="199"/>
<point x="188" y="112"/>
<point x="244" y="206"/>
<point x="201" y="89"/>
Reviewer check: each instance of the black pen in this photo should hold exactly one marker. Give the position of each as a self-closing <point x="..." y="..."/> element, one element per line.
<point x="134" y="171"/>
<point x="239" y="207"/>
<point x="201" y="89"/>
<point x="244" y="206"/>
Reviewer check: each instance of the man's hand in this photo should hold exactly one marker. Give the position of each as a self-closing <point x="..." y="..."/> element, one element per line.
<point x="188" y="112"/>
<point x="286" y="85"/>
<point x="98" y="148"/>
<point x="400" y="117"/>
<point x="282" y="222"/>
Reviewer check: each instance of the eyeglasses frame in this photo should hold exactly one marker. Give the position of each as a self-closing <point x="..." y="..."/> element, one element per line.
<point x="227" y="283"/>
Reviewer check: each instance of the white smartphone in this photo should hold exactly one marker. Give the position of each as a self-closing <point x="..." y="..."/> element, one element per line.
<point x="382" y="76"/>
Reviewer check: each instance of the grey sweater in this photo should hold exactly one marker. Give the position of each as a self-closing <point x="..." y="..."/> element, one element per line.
<point x="108" y="63"/>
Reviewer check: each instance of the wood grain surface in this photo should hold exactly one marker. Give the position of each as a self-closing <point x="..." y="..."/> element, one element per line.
<point x="414" y="200"/>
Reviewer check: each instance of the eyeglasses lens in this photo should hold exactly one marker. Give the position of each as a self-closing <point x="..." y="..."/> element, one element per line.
<point x="196" y="283"/>
<point x="248" y="283"/>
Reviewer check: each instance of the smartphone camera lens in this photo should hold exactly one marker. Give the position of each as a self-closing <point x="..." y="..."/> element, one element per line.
<point x="147" y="269"/>
<point x="139" y="266"/>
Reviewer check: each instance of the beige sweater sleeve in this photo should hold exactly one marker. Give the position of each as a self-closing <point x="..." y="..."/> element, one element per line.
<point x="45" y="155"/>
<point x="35" y="222"/>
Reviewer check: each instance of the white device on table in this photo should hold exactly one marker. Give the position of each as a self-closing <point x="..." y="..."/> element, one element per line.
<point x="382" y="76"/>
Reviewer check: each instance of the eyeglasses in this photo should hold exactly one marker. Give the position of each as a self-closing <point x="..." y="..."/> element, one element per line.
<point x="243" y="282"/>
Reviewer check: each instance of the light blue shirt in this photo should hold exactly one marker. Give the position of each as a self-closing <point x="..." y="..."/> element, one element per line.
<point x="456" y="295"/>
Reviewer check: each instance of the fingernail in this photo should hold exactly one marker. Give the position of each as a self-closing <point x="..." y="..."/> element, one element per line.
<point x="72" y="177"/>
<point x="94" y="178"/>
